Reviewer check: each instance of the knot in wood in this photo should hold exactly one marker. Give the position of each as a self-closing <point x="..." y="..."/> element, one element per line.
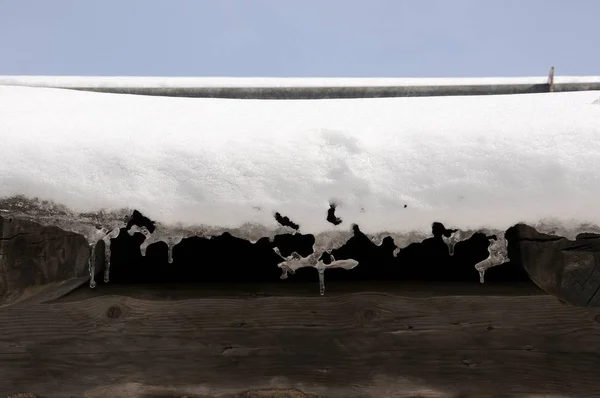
<point x="114" y="312"/>
<point x="369" y="315"/>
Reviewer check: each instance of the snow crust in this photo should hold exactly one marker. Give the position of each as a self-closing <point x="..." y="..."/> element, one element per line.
<point x="198" y="82"/>
<point x="469" y="162"/>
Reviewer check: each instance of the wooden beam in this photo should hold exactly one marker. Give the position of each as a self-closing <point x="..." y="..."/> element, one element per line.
<point x="347" y="345"/>
<point x="567" y="269"/>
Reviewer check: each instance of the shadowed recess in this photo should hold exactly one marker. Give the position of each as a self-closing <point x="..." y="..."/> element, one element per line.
<point x="226" y="258"/>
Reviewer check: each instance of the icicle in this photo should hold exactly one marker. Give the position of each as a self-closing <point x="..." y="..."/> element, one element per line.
<point x="171" y="243"/>
<point x="170" y="255"/>
<point x="290" y="264"/>
<point x="284" y="273"/>
<point x="144" y="231"/>
<point x="452" y="241"/>
<point x="92" y="265"/>
<point x="325" y="243"/>
<point x="144" y="246"/>
<point x="321" y="281"/>
<point x="155" y="237"/>
<point x="497" y="255"/>
<point x="345" y="264"/>
<point x="285" y="270"/>
<point x="107" y="253"/>
<point x="321" y="267"/>
<point x="293" y="262"/>
<point x="134" y="229"/>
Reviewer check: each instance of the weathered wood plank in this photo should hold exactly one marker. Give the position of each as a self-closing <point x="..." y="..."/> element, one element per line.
<point x="381" y="374"/>
<point x="346" y="345"/>
<point x="33" y="255"/>
<point x="567" y="269"/>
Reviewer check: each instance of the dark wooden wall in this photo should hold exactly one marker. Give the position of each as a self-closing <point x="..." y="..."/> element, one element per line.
<point x="58" y="338"/>
<point x="123" y="343"/>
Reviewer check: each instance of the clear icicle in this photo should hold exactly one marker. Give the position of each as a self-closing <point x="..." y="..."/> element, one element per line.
<point x="321" y="281"/>
<point x="284" y="273"/>
<point x="155" y="237"/>
<point x="170" y="252"/>
<point x="452" y="241"/>
<point x="134" y="229"/>
<point x="326" y="243"/>
<point x="482" y="266"/>
<point x="498" y="254"/>
<point x="147" y="235"/>
<point x="107" y="253"/>
<point x="289" y="264"/>
<point x="285" y="270"/>
<point x="172" y="241"/>
<point x="144" y="245"/>
<point x="92" y="265"/>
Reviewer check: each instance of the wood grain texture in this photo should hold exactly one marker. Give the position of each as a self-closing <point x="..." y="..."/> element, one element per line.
<point x="567" y="269"/>
<point x="32" y="255"/>
<point x="341" y="345"/>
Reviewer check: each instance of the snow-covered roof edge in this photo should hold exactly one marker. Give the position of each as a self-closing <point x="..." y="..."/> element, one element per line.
<point x="303" y="88"/>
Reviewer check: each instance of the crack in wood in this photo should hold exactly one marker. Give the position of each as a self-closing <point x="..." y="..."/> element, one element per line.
<point x="15" y="236"/>
<point x="597" y="288"/>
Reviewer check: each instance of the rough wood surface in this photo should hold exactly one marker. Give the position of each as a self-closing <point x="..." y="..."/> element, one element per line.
<point x="32" y="255"/>
<point x="567" y="269"/>
<point x="378" y="344"/>
<point x="239" y="340"/>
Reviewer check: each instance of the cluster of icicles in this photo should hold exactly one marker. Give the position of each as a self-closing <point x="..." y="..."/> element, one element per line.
<point x="497" y="249"/>
<point x="324" y="244"/>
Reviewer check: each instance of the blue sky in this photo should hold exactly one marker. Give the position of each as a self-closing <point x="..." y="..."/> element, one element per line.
<point x="313" y="38"/>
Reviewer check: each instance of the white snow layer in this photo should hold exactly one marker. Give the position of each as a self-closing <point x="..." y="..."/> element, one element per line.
<point x="469" y="162"/>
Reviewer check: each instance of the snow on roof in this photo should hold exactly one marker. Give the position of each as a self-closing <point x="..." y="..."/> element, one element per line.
<point x="395" y="164"/>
